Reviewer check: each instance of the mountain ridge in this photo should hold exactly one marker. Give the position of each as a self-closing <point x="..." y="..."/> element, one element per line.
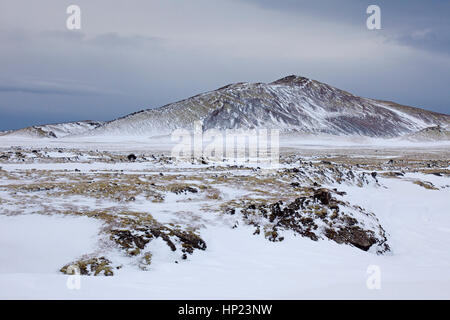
<point x="55" y="130"/>
<point x="292" y="104"/>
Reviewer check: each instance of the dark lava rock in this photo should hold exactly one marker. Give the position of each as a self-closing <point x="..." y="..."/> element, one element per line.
<point x="128" y="240"/>
<point x="135" y="239"/>
<point x="131" y="157"/>
<point x="318" y="216"/>
<point x="230" y="211"/>
<point x="179" y="189"/>
<point x="354" y="235"/>
<point x="323" y="196"/>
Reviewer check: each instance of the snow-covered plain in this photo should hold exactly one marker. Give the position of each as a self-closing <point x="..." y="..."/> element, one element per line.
<point x="236" y="263"/>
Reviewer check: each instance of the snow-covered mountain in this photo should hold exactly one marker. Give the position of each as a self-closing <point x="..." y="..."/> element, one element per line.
<point x="291" y="104"/>
<point x="430" y="134"/>
<point x="58" y="130"/>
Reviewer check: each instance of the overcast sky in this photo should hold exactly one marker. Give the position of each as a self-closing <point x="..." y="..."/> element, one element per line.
<point x="132" y="55"/>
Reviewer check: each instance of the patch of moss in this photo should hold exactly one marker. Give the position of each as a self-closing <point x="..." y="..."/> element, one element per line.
<point x="145" y="261"/>
<point x="89" y="266"/>
<point x="179" y="188"/>
<point x="425" y="184"/>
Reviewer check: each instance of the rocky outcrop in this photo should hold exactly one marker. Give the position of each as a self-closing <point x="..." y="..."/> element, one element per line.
<point x="89" y="266"/>
<point x="135" y="238"/>
<point x="319" y="216"/>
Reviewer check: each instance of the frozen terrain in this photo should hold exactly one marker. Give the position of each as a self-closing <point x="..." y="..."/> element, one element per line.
<point x="357" y="207"/>
<point x="165" y="228"/>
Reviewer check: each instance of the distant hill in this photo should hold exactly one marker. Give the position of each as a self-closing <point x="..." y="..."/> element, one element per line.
<point x="58" y="130"/>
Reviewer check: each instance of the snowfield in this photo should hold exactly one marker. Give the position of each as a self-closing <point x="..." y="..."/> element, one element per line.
<point x="170" y="229"/>
<point x="36" y="243"/>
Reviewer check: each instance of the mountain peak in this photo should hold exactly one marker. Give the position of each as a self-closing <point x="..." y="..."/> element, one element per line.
<point x="292" y="80"/>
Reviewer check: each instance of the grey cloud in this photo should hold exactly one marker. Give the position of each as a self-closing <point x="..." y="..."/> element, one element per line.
<point x="104" y="40"/>
<point x="425" y="39"/>
<point x="117" y="40"/>
<point x="41" y="87"/>
<point x="418" y="24"/>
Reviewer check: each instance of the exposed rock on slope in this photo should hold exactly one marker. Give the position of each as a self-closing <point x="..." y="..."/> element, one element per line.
<point x="319" y="216"/>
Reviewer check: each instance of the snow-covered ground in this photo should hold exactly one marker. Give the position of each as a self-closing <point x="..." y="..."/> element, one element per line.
<point x="236" y="263"/>
<point x="165" y="143"/>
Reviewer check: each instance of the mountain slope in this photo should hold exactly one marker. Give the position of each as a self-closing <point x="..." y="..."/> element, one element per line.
<point x="58" y="130"/>
<point x="291" y="104"/>
<point x="436" y="133"/>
